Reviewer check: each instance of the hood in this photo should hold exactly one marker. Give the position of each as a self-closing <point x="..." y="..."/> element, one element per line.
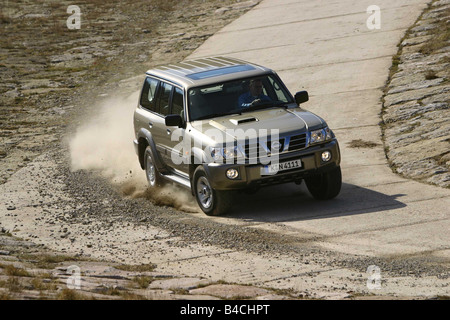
<point x="285" y="120"/>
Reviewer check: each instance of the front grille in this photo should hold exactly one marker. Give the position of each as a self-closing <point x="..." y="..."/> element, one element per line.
<point x="251" y="149"/>
<point x="281" y="144"/>
<point x="256" y="150"/>
<point x="262" y="148"/>
<point x="297" y="142"/>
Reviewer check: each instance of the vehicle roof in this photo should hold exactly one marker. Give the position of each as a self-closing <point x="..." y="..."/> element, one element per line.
<point x="204" y="71"/>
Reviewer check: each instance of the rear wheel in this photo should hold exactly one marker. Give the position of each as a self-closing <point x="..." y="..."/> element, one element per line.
<point x="153" y="177"/>
<point x="326" y="185"/>
<point x="212" y="202"/>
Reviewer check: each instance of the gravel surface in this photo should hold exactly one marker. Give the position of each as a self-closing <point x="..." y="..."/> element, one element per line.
<point x="41" y="122"/>
<point x="96" y="191"/>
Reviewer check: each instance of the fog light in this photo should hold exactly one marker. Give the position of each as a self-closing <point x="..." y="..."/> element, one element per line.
<point x="232" y="173"/>
<point x="326" y="156"/>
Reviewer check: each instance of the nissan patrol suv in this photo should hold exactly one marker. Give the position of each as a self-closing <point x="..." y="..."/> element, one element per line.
<point x="217" y="125"/>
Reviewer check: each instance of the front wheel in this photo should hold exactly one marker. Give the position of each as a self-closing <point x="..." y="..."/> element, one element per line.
<point x="212" y="202"/>
<point x="326" y="185"/>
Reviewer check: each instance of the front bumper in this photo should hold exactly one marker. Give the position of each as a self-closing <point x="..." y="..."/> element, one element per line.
<point x="250" y="174"/>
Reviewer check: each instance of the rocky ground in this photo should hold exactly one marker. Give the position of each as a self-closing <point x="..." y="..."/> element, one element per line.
<point x="30" y="271"/>
<point x="47" y="70"/>
<point x="416" y="114"/>
<point x="51" y="78"/>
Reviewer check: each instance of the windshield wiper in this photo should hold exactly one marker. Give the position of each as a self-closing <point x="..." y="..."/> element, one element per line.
<point x="261" y="105"/>
<point x="212" y="115"/>
<point x="266" y="104"/>
<point x="281" y="104"/>
<point x="215" y="115"/>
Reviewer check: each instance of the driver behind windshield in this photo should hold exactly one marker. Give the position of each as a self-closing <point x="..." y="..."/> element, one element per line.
<point x="253" y="96"/>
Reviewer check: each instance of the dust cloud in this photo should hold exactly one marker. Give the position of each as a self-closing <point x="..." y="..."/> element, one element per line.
<point x="104" y="144"/>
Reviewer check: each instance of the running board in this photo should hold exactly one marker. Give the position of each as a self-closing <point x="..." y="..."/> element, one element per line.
<point x="178" y="179"/>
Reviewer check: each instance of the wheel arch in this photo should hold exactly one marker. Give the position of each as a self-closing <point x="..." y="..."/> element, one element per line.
<point x="145" y="140"/>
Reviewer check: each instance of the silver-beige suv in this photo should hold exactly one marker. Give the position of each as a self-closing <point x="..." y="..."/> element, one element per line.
<point x="217" y="125"/>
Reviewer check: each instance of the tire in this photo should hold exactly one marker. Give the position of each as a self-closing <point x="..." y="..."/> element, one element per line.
<point x="325" y="186"/>
<point x="151" y="172"/>
<point x="212" y="202"/>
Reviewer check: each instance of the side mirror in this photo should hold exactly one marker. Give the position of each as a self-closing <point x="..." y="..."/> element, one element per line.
<point x="301" y="97"/>
<point x="173" y="120"/>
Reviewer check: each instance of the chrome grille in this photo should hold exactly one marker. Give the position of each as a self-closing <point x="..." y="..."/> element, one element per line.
<point x="251" y="149"/>
<point x="255" y="150"/>
<point x="281" y="143"/>
<point x="297" y="142"/>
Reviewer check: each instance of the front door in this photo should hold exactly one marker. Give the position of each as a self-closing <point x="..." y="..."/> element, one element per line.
<point x="175" y="153"/>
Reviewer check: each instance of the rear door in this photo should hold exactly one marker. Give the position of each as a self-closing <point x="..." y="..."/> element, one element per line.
<point x="148" y="113"/>
<point x="159" y="99"/>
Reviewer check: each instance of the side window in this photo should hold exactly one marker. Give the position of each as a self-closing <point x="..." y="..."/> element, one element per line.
<point x="164" y="98"/>
<point x="177" y="102"/>
<point x="280" y="94"/>
<point x="148" y="94"/>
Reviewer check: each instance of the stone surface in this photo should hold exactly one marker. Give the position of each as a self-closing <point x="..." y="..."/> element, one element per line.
<point x="179" y="283"/>
<point x="280" y="237"/>
<point x="231" y="291"/>
<point x="417" y="101"/>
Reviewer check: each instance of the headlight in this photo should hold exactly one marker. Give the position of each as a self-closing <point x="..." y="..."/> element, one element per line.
<point x="321" y="135"/>
<point x="317" y="136"/>
<point x="328" y="134"/>
<point x="218" y="154"/>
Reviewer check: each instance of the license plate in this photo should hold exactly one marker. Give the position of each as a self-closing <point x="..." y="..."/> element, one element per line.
<point x="282" y="166"/>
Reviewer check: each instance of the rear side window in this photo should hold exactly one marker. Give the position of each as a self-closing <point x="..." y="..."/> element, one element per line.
<point x="164" y="99"/>
<point x="148" y="96"/>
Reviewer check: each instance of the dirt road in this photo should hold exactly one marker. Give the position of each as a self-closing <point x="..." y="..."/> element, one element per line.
<point x="77" y="199"/>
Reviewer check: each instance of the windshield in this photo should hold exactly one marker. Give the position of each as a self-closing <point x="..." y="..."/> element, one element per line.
<point x="236" y="96"/>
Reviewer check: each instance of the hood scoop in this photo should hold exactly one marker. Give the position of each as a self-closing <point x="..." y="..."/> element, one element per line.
<point x="239" y="121"/>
